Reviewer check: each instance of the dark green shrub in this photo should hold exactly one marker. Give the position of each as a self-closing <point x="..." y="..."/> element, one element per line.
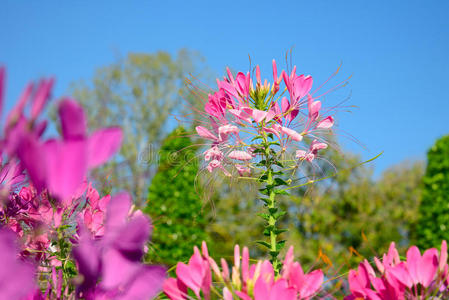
<point x="174" y="203"/>
<point x="433" y="222"/>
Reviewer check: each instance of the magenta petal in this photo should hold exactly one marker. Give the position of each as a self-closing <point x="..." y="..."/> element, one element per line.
<point x="88" y="260"/>
<point x="188" y="276"/>
<point x="117" y="211"/>
<point x="132" y="237"/>
<point x="281" y="291"/>
<point x="401" y="274"/>
<point x="413" y="263"/>
<point x="16" y="276"/>
<point x="428" y="266"/>
<point x="117" y="270"/>
<point x="147" y="284"/>
<point x="73" y="119"/>
<point x="66" y="166"/>
<point x="103" y="144"/>
<point x="41" y="97"/>
<point x="175" y="289"/>
<point x="261" y="290"/>
<point x="31" y="154"/>
<point x="302" y="86"/>
<point x="312" y="284"/>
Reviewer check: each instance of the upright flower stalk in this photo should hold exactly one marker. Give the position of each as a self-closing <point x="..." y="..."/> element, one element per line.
<point x="252" y="129"/>
<point x="271" y="181"/>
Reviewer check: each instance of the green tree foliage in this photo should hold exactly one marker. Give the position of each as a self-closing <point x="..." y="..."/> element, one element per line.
<point x="139" y="93"/>
<point x="433" y="223"/>
<point x="354" y="211"/>
<point x="174" y="202"/>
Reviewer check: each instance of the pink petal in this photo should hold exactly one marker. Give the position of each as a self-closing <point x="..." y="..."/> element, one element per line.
<point x="66" y="166"/>
<point x="117" y="211"/>
<point x="227" y="295"/>
<point x="428" y="267"/>
<point x="205" y="133"/>
<point x="259" y="115"/>
<point x="302" y="86"/>
<point x="117" y="269"/>
<point x="41" y="97"/>
<point x="240" y="155"/>
<point x="413" y="263"/>
<point x="188" y="275"/>
<point x="316" y="145"/>
<point x="146" y="285"/>
<point x="73" y="119"/>
<point x="175" y="289"/>
<point x="30" y="153"/>
<point x="261" y="289"/>
<point x="294" y="135"/>
<point x="326" y="123"/>
<point x="312" y="284"/>
<point x="400" y="273"/>
<point x="103" y="144"/>
<point x="281" y="291"/>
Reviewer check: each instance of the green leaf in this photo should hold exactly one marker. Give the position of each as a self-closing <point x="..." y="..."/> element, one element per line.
<point x="279" y="231"/>
<point x="278" y="163"/>
<point x="279" y="214"/>
<point x="280" y="192"/>
<point x="279" y="181"/>
<point x="264" y="216"/>
<point x="263" y="243"/>
<point x="272" y="210"/>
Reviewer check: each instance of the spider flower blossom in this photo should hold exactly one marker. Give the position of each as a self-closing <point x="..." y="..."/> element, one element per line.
<point x="244" y="281"/>
<point x="418" y="277"/>
<point x="239" y="112"/>
<point x="59" y="165"/>
<point x="111" y="265"/>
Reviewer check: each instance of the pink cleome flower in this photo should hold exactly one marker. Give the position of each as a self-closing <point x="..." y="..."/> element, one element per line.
<point x="237" y="113"/>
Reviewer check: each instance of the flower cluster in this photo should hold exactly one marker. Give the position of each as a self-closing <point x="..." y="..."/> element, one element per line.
<point x="58" y="237"/>
<point x="418" y="277"/>
<point x="246" y="281"/>
<point x="238" y="116"/>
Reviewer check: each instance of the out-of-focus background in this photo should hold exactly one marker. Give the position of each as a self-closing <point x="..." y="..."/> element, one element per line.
<point x="127" y="63"/>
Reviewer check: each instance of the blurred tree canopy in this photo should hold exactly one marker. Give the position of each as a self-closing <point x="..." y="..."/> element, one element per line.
<point x="433" y="224"/>
<point x="174" y="202"/>
<point x="354" y="210"/>
<point x="139" y="93"/>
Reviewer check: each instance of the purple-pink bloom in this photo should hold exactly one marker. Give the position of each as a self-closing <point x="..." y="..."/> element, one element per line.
<point x="16" y="276"/>
<point x="111" y="265"/>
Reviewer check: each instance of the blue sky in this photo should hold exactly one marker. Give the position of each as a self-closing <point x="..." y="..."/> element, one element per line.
<point x="396" y="52"/>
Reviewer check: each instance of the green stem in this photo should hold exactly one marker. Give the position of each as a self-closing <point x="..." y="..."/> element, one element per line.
<point x="271" y="217"/>
<point x="272" y="224"/>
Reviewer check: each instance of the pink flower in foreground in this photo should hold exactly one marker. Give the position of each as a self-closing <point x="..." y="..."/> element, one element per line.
<point x="256" y="281"/>
<point x="111" y="265"/>
<point x="57" y="165"/>
<point x="419" y="277"/>
<point x="16" y="277"/>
